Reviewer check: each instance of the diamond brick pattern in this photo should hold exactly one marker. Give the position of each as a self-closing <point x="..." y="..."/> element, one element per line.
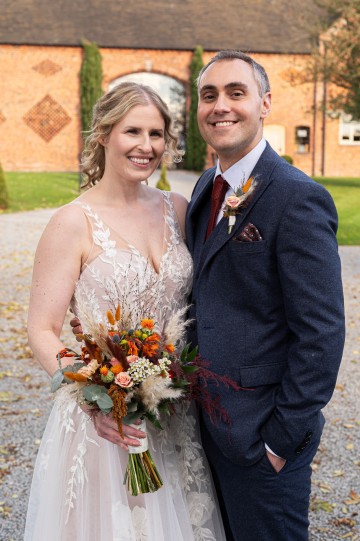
<point x="47" y="118"/>
<point x="47" y="68"/>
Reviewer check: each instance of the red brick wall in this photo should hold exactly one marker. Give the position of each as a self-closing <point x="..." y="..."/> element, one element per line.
<point x="52" y="88"/>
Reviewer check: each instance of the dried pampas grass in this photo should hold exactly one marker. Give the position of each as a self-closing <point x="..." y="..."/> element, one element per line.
<point x="154" y="390"/>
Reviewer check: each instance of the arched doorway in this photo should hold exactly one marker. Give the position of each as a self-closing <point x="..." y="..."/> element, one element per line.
<point x="172" y="92"/>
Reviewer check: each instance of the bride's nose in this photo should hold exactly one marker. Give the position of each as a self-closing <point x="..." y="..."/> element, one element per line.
<point x="145" y="143"/>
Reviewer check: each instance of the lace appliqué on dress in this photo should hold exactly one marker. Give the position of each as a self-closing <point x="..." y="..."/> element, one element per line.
<point x="78" y="472"/>
<point x="181" y="432"/>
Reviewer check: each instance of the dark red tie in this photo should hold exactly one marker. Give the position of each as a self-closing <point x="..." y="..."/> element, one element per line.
<point x="220" y="187"/>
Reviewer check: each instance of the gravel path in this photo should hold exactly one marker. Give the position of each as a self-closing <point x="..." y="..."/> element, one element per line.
<point x="25" y="398"/>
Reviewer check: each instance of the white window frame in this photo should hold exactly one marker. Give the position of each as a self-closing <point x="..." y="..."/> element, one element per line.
<point x="350" y="126"/>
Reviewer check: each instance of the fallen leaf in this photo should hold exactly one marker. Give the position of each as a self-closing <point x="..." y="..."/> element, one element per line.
<point x="354" y="498"/>
<point x="338" y="473"/>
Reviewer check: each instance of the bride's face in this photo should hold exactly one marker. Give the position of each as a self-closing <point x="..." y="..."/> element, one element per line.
<point x="136" y="144"/>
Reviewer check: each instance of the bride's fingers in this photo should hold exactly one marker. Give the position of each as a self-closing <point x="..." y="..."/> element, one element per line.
<point x="133" y="432"/>
<point x="107" y="428"/>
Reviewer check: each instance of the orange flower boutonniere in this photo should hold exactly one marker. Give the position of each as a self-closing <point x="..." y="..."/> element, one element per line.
<point x="235" y="202"/>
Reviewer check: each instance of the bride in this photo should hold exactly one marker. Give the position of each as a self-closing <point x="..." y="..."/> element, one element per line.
<point x="118" y="232"/>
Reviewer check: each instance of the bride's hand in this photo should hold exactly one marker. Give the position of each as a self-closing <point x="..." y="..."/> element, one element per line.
<point x="106" y="428"/>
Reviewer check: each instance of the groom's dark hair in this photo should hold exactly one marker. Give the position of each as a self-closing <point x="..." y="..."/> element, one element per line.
<point x="232" y="54"/>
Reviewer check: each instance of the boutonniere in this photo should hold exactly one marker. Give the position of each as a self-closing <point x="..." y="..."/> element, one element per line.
<point x="234" y="203"/>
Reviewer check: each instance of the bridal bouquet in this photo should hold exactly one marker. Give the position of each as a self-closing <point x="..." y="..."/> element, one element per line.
<point x="136" y="373"/>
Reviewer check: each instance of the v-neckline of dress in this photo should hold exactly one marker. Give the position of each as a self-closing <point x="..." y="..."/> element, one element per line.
<point x="164" y="251"/>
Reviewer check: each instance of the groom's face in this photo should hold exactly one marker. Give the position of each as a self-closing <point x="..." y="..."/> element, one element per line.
<point x="230" y="110"/>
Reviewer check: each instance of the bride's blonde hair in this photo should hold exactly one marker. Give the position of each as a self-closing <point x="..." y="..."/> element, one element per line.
<point x="111" y="109"/>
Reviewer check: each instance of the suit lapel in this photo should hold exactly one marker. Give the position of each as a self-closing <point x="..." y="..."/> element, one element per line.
<point x="198" y="211"/>
<point x="262" y="173"/>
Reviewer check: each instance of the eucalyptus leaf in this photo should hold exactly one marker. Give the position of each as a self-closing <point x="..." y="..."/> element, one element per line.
<point x="77" y="366"/>
<point x="68" y="368"/>
<point x="93" y="392"/>
<point x="57" y="380"/>
<point x="105" y="403"/>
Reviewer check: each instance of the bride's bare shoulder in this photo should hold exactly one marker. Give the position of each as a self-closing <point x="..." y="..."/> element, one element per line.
<point x="66" y="219"/>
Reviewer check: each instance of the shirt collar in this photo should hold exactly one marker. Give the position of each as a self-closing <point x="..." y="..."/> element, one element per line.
<point x="239" y="173"/>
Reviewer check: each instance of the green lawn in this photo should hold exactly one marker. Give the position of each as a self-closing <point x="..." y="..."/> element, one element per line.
<point x="346" y="194"/>
<point x="42" y="190"/>
<point x="28" y="191"/>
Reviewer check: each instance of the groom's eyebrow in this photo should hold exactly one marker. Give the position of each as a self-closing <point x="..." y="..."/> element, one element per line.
<point x="236" y="84"/>
<point x="205" y="88"/>
<point x="229" y="86"/>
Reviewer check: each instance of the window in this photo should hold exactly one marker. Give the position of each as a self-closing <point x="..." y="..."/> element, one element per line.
<point x="302" y="138"/>
<point x="349" y="131"/>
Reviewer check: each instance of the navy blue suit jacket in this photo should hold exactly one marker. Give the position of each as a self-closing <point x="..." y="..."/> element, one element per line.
<point x="269" y="313"/>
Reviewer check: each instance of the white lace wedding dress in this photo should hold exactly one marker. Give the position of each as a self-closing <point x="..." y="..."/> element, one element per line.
<point x="77" y="492"/>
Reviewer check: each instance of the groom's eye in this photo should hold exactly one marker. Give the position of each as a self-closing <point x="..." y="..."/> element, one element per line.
<point x="208" y="97"/>
<point x="237" y="94"/>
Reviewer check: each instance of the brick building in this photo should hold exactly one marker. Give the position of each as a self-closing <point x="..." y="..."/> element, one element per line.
<point x="40" y="59"/>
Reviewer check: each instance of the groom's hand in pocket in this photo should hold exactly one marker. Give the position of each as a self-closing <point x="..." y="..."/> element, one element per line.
<point x="277" y="462"/>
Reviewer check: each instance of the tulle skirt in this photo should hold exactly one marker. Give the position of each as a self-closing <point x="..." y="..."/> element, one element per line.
<point x="77" y="492"/>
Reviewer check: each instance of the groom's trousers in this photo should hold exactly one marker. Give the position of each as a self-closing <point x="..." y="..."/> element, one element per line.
<point x="259" y="504"/>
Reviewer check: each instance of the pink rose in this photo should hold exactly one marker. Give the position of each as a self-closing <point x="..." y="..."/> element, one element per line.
<point x="233" y="201"/>
<point x="132" y="358"/>
<point x="124" y="380"/>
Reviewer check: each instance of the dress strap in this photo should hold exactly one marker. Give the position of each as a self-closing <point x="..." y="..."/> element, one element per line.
<point x="101" y="235"/>
<point x="171" y="219"/>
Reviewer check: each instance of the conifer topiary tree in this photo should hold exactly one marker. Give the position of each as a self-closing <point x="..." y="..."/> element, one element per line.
<point x="163" y="183"/>
<point x="4" y="195"/>
<point x="195" y="156"/>
<point x="90" y="82"/>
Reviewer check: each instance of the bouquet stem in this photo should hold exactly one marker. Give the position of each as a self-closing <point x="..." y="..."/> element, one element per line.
<point x="141" y="476"/>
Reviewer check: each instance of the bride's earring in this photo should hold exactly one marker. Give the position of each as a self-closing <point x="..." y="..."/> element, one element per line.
<point x="146" y="182"/>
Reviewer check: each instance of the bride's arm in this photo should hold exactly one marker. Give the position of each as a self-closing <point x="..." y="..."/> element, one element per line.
<point x="62" y="247"/>
<point x="57" y="266"/>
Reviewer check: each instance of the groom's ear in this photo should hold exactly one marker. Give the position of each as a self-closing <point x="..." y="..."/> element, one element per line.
<point x="266" y="105"/>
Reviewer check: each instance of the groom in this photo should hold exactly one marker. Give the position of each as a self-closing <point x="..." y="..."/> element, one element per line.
<point x="267" y="305"/>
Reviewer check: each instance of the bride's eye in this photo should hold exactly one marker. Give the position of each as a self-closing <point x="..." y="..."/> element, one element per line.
<point x="156" y="133"/>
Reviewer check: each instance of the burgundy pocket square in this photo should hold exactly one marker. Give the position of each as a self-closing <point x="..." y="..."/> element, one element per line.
<point x="250" y="233"/>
